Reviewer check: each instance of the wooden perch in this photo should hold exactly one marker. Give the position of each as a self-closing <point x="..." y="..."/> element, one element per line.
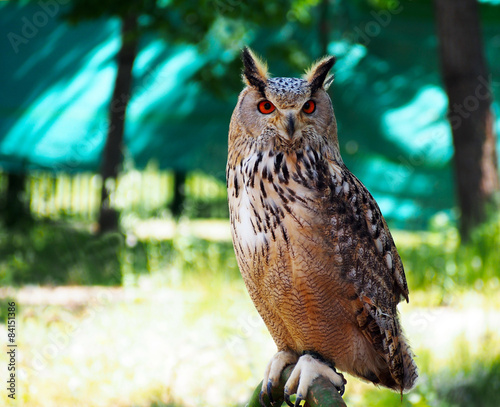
<point x="322" y="393"/>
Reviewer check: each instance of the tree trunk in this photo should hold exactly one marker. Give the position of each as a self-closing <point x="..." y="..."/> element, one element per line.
<point x="113" y="150"/>
<point x="15" y="207"/>
<point x="177" y="205"/>
<point x="324" y="27"/>
<point x="467" y="84"/>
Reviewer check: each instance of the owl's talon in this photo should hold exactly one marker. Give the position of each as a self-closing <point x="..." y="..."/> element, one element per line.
<point x="307" y="369"/>
<point x="270" y="391"/>
<point x="273" y="372"/>
<point x="287" y="398"/>
<point x="261" y="399"/>
<point x="300" y="401"/>
<point x="341" y="389"/>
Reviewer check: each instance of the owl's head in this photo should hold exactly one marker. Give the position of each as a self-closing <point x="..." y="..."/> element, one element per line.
<point x="284" y="113"/>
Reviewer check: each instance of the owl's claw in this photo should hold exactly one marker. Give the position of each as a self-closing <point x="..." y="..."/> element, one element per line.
<point x="269" y="395"/>
<point x="299" y="401"/>
<point x="341" y="389"/>
<point x="270" y="391"/>
<point x="273" y="373"/>
<point x="261" y="400"/>
<point x="287" y="397"/>
<point x="305" y="371"/>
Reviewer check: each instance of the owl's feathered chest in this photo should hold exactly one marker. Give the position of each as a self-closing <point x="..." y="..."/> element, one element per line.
<point x="302" y="211"/>
<point x="276" y="197"/>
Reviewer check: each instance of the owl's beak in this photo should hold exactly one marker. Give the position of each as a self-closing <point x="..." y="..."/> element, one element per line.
<point x="290" y="125"/>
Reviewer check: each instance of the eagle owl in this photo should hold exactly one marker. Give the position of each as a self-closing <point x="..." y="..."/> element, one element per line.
<point x="315" y="253"/>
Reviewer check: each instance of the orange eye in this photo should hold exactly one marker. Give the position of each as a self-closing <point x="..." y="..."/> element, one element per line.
<point x="309" y="107"/>
<point x="266" y="107"/>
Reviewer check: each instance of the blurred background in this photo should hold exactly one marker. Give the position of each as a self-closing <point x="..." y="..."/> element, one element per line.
<point x="114" y="234"/>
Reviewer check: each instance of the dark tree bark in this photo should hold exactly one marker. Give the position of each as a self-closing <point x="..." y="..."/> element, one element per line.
<point x="15" y="207"/>
<point x="177" y="205"/>
<point x="467" y="84"/>
<point x="324" y="27"/>
<point x="112" y="158"/>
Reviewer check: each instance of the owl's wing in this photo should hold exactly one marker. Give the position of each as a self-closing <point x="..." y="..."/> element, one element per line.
<point x="378" y="267"/>
<point x="372" y="265"/>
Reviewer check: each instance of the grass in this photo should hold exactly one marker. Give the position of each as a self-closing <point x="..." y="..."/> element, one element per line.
<point x="138" y="346"/>
<point x="53" y="253"/>
<point x="204" y="344"/>
<point x="436" y="258"/>
<point x="170" y="323"/>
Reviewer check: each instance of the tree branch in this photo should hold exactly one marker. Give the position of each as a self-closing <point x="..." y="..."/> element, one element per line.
<point x="322" y="393"/>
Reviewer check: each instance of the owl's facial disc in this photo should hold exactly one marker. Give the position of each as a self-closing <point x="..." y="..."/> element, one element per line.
<point x="285" y="113"/>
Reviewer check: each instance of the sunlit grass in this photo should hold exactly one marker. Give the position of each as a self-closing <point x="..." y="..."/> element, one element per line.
<point x="172" y="325"/>
<point x="191" y="346"/>
<point x="204" y="344"/>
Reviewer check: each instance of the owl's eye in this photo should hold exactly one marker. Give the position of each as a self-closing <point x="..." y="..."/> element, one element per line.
<point x="266" y="107"/>
<point x="309" y="107"/>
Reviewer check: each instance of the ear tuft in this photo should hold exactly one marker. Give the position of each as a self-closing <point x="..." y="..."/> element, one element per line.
<point x="317" y="74"/>
<point x="254" y="70"/>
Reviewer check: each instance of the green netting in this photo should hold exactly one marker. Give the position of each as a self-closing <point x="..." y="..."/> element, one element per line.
<point x="391" y="109"/>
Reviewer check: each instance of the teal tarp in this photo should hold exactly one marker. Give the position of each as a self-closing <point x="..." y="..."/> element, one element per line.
<point x="57" y="81"/>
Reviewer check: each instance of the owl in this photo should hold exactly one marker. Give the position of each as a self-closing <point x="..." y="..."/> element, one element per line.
<point x="315" y="253"/>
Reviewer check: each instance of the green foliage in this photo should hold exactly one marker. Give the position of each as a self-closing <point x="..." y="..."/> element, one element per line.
<point x="4" y="308"/>
<point x="196" y="21"/>
<point x="438" y="259"/>
<point x="468" y="380"/>
<point x="139" y="194"/>
<point x="206" y="208"/>
<point x="182" y="259"/>
<point x="476" y="384"/>
<point x="51" y="253"/>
